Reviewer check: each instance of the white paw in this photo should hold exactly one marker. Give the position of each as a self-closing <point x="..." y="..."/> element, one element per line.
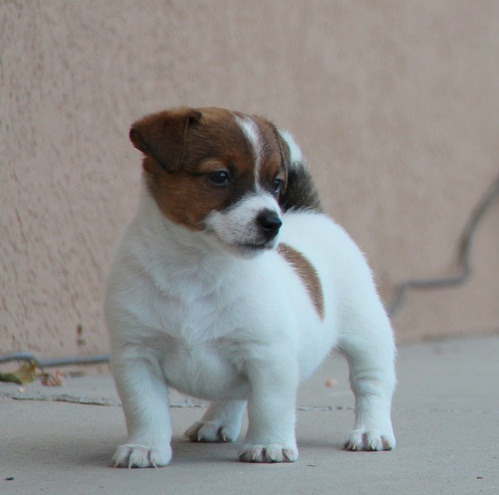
<point x="138" y="456"/>
<point x="365" y="439"/>
<point x="268" y="453"/>
<point x="212" y="431"/>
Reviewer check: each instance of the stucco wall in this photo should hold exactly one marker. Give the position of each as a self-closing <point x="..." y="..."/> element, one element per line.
<point x="395" y="105"/>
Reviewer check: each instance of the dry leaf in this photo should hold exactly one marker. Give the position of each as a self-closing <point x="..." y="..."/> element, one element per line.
<point x="25" y="374"/>
<point x="55" y="379"/>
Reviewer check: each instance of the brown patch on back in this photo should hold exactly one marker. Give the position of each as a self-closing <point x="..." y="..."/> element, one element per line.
<point x="307" y="273"/>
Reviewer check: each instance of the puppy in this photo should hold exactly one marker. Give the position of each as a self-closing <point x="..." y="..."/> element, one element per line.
<point x="231" y="285"/>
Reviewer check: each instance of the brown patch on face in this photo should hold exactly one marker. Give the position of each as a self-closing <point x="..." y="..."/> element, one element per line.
<point x="307" y="273"/>
<point x="184" y="198"/>
<point x="183" y="145"/>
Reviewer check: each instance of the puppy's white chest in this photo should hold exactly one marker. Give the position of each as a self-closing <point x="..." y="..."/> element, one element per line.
<point x="193" y="337"/>
<point x="188" y="318"/>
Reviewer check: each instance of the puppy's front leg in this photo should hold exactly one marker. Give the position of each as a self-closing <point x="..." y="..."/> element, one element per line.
<point x="145" y="401"/>
<point x="271" y="412"/>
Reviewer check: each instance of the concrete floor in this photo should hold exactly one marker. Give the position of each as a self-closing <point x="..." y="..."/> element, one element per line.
<point x="446" y="419"/>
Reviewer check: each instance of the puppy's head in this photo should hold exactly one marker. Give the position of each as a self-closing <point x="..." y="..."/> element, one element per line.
<point x="218" y="172"/>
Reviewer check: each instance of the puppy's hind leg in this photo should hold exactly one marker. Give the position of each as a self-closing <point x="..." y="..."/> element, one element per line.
<point x="370" y="351"/>
<point x="220" y="423"/>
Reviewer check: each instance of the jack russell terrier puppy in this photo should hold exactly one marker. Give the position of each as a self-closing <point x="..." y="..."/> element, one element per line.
<point x="231" y="285"/>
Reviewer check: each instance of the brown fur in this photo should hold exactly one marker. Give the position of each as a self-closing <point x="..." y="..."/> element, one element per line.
<point x="183" y="145"/>
<point x="307" y="273"/>
<point x="162" y="135"/>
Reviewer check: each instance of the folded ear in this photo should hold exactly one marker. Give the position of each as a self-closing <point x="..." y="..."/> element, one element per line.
<point x="163" y="135"/>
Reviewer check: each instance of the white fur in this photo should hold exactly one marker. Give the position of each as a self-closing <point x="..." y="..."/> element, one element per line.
<point x="236" y="228"/>
<point x="184" y="313"/>
<point x="250" y="130"/>
<point x="296" y="157"/>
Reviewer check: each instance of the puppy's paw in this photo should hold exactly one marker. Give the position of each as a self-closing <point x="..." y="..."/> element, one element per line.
<point x="268" y="453"/>
<point x="369" y="439"/>
<point x="138" y="456"/>
<point x="212" y="431"/>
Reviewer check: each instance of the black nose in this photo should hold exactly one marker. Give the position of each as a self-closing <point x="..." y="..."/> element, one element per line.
<point x="270" y="223"/>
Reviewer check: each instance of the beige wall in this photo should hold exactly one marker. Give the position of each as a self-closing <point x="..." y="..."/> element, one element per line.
<point x="394" y="103"/>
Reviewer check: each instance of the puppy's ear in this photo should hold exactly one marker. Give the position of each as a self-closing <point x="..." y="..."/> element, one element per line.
<point x="283" y="147"/>
<point x="163" y="135"/>
<point x="300" y="192"/>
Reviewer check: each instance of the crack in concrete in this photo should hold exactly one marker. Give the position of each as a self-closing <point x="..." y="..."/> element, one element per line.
<point x="89" y="401"/>
<point x="193" y="403"/>
<point x="102" y="401"/>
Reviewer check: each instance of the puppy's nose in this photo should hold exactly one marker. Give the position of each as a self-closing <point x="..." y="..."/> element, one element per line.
<point x="269" y="222"/>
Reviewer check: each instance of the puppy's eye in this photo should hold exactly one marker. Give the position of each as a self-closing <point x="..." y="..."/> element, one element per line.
<point x="277" y="185"/>
<point x="219" y="178"/>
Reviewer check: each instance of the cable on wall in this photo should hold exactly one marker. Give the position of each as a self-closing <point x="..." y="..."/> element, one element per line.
<point x="465" y="245"/>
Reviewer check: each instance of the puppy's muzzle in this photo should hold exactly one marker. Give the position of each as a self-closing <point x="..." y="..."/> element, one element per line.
<point x="269" y="224"/>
